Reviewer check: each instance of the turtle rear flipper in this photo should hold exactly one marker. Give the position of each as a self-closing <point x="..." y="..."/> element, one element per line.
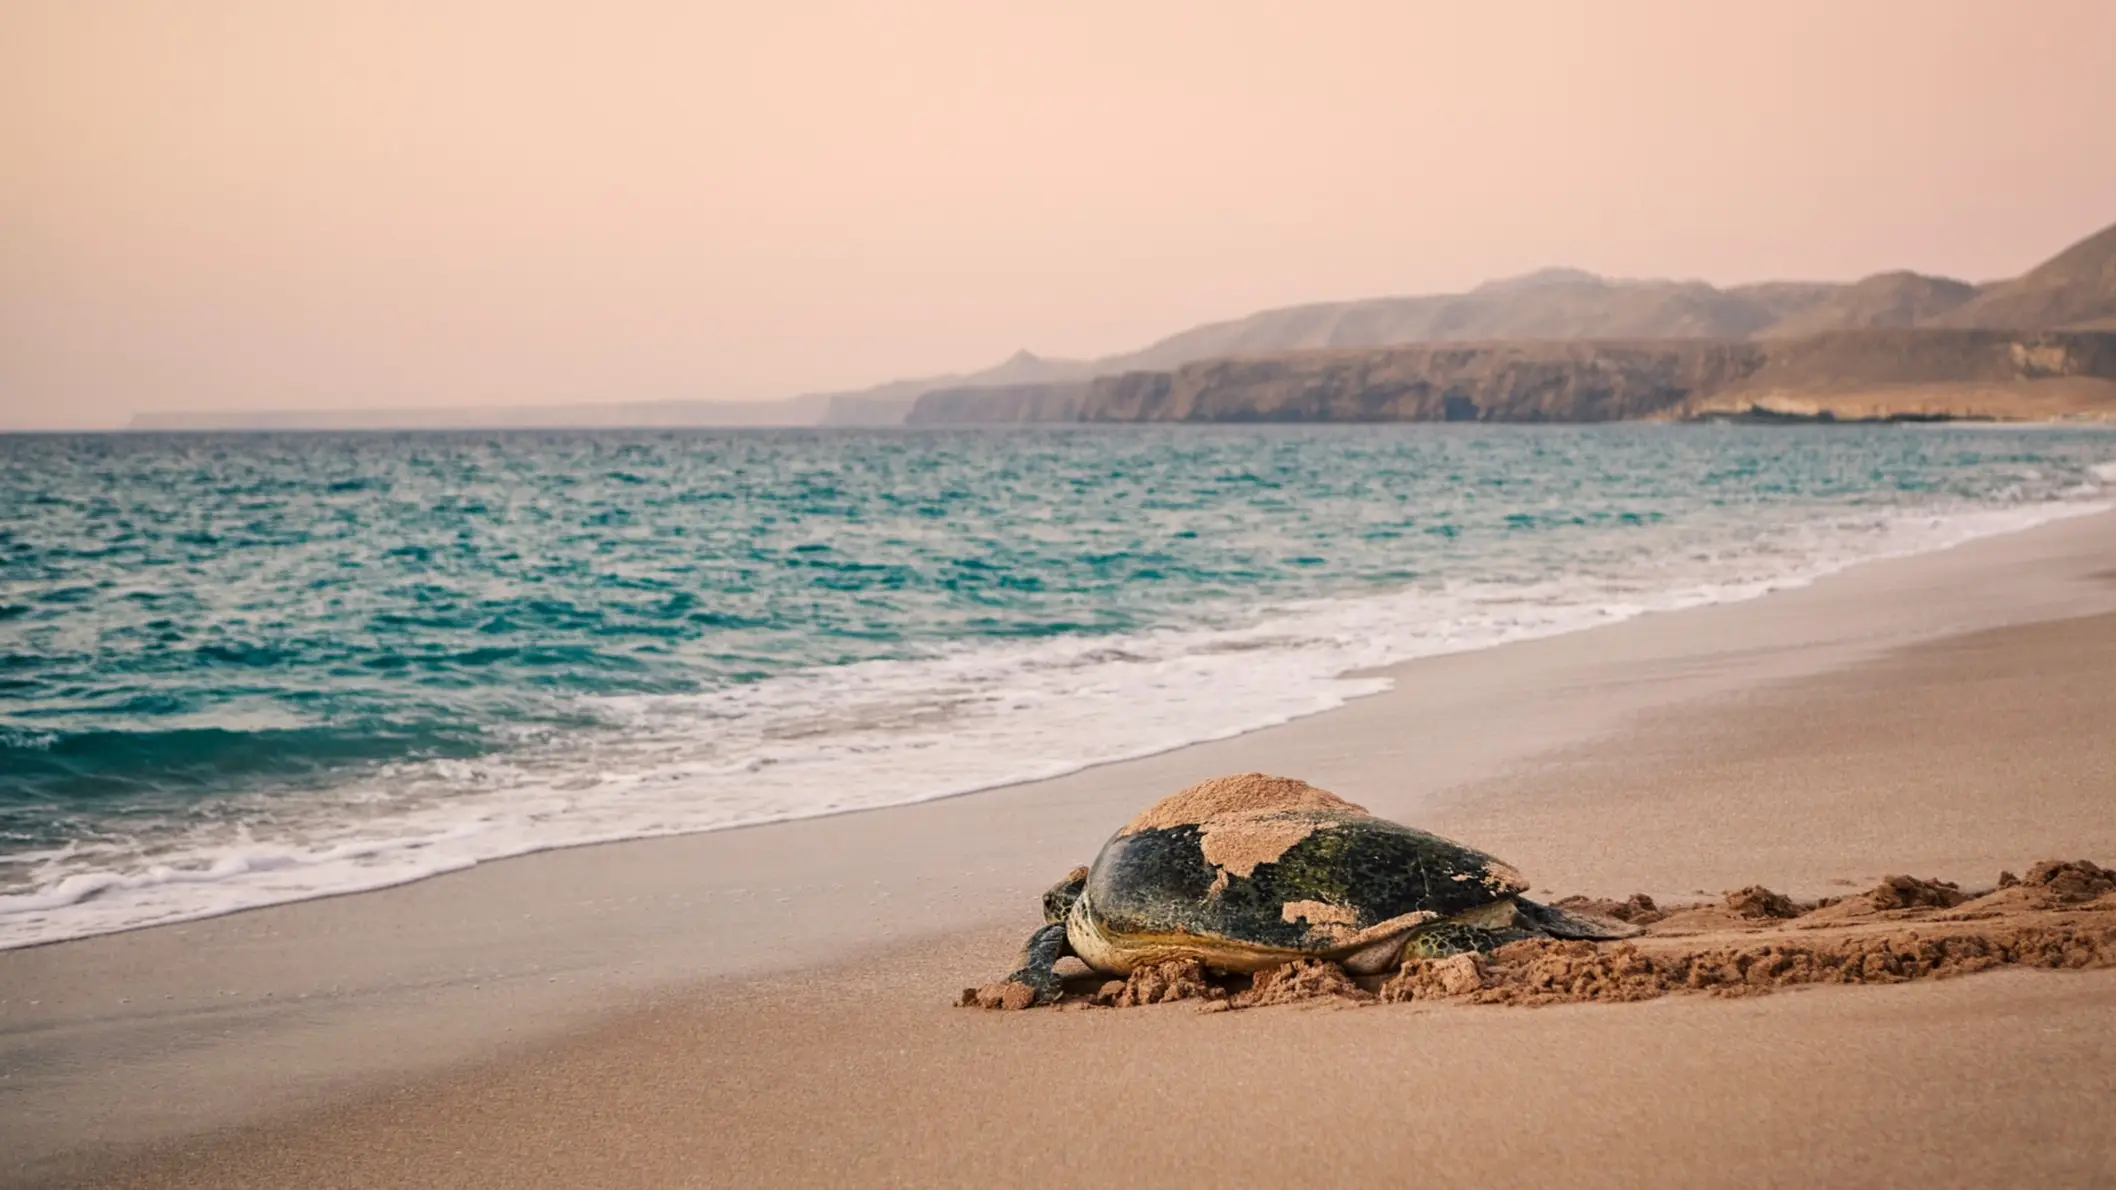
<point x="1564" y="923"/>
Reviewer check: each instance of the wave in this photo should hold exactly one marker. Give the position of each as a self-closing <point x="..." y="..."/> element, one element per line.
<point x="40" y="766"/>
<point x="883" y="732"/>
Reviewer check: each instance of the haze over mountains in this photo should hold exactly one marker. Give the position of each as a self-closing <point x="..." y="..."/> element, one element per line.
<point x="2075" y="290"/>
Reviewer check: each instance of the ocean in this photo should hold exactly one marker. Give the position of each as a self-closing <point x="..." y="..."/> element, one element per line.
<point x="243" y="669"/>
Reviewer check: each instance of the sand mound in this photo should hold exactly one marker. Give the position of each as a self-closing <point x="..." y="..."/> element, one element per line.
<point x="1756" y="902"/>
<point x="1243" y="793"/>
<point x="1298" y="982"/>
<point x="1438" y="979"/>
<point x="2067" y="881"/>
<point x="1909" y="892"/>
<point x="1307" y="980"/>
<point x="1006" y="994"/>
<point x="1638" y="910"/>
<point x="1179" y="979"/>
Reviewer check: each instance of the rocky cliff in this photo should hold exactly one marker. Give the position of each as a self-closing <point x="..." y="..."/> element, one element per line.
<point x="1469" y="382"/>
<point x="1871" y="374"/>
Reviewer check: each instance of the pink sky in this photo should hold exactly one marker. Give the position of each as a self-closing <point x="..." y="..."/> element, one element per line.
<point x="215" y="204"/>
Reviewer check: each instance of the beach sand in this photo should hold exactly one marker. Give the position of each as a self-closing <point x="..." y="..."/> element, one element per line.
<point x="776" y="1006"/>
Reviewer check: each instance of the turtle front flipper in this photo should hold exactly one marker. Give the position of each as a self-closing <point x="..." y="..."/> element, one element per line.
<point x="1035" y="981"/>
<point x="1046" y="946"/>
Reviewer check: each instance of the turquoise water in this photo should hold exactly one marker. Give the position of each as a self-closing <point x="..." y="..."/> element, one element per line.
<point x="248" y="668"/>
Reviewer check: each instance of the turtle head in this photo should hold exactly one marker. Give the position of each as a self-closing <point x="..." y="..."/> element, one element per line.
<point x="1058" y="902"/>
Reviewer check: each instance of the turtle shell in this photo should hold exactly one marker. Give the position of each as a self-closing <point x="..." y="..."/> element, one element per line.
<point x="1248" y="871"/>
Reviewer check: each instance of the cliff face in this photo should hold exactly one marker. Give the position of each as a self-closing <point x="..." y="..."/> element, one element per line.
<point x="1984" y="373"/>
<point x="1924" y="375"/>
<point x="1481" y="382"/>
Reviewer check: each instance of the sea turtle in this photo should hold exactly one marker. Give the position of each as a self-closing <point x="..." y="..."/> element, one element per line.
<point x="1247" y="872"/>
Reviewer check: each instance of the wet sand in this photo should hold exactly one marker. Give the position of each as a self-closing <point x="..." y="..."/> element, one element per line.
<point x="670" y="1013"/>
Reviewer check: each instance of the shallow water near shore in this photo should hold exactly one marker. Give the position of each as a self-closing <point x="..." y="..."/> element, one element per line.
<point x="243" y="669"/>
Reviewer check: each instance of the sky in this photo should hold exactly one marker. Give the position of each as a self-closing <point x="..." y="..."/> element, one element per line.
<point x="287" y="204"/>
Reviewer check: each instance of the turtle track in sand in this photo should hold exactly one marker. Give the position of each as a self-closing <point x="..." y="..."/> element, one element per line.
<point x="2061" y="915"/>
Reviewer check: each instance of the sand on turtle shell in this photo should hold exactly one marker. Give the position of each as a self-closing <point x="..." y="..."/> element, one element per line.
<point x="1242" y="793"/>
<point x="1243" y="820"/>
<point x="1238" y="843"/>
<point x="1319" y="914"/>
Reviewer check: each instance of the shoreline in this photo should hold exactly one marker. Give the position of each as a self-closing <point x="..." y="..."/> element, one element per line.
<point x="1947" y="531"/>
<point x="298" y="1006"/>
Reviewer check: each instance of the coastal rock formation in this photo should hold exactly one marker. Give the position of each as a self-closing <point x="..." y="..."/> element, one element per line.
<point x="1481" y="382"/>
<point x="1922" y="375"/>
<point x="1882" y="374"/>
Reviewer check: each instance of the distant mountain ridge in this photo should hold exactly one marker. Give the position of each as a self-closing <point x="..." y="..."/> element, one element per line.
<point x="2074" y="289"/>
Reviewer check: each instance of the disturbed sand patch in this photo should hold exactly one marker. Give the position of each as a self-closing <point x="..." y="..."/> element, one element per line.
<point x="2060" y="916"/>
<point x="2063" y="916"/>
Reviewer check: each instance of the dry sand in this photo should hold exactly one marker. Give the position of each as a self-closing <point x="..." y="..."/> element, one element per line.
<point x="1815" y="742"/>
